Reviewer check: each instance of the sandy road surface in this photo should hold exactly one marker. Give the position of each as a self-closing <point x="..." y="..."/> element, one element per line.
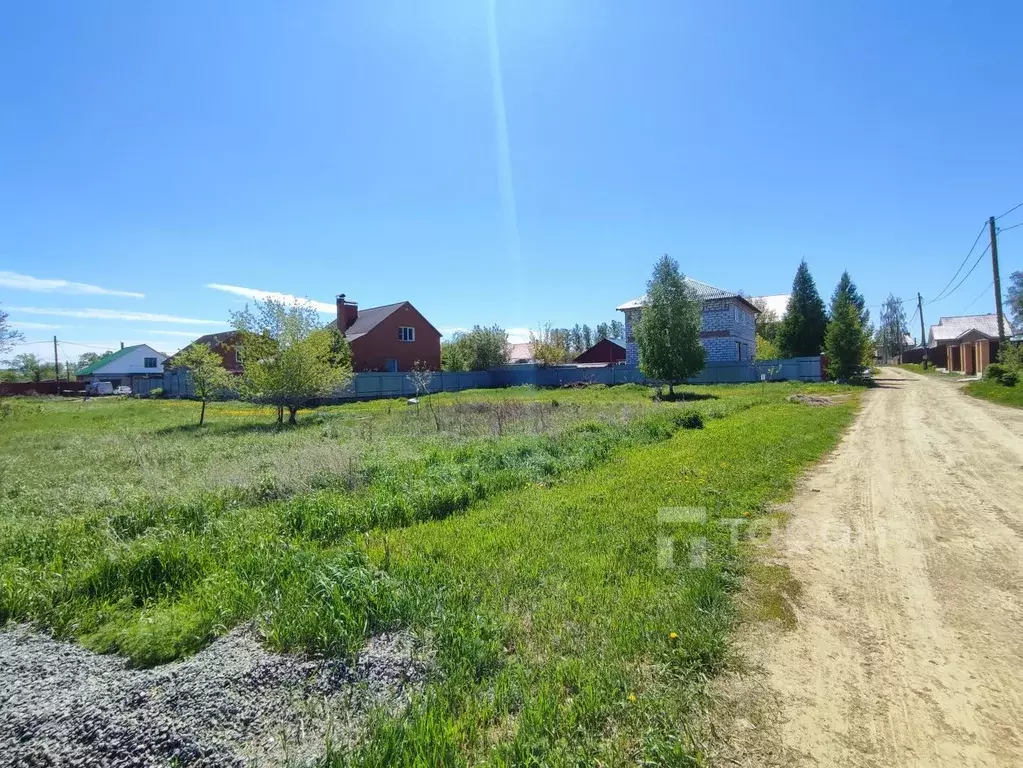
<point x="908" y="548"/>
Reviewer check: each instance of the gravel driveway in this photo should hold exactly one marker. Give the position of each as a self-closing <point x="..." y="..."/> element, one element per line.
<point x="231" y="704"/>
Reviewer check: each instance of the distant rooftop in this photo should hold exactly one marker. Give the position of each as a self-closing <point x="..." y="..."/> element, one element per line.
<point x="520" y="353"/>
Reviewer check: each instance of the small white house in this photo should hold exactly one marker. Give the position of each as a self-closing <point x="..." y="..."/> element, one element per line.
<point x="120" y="368"/>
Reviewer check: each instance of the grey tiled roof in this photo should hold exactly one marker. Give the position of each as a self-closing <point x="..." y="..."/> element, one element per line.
<point x="951" y="328"/>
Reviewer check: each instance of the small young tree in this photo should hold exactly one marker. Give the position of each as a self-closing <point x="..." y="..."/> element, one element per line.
<point x="844" y="342"/>
<point x="802" y="330"/>
<point x="8" y="335"/>
<point x="205" y="369"/>
<point x="422" y="377"/>
<point x="668" y="332"/>
<point x="549" y="345"/>
<point x="763" y="360"/>
<point x="587" y="337"/>
<point x="289" y="358"/>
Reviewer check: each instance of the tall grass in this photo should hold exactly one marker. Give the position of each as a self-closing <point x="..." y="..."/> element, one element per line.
<point x="61" y="457"/>
<point x="155" y="581"/>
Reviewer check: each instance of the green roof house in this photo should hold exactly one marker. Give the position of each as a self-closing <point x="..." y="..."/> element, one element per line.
<point x="127" y="363"/>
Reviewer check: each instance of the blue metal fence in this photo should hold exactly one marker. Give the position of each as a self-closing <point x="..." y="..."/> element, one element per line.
<point x="367" y="386"/>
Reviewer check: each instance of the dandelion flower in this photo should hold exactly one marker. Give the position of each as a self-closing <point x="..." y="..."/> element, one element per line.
<point x="673" y="635"/>
<point x="632" y="697"/>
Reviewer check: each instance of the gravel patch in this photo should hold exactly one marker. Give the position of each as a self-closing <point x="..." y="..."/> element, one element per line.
<point x="817" y="400"/>
<point x="232" y="704"/>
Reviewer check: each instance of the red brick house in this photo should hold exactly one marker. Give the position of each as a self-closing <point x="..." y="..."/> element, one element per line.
<point x="224" y="344"/>
<point x="604" y="351"/>
<point x="393" y="337"/>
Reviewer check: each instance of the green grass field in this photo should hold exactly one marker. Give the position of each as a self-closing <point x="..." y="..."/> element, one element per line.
<point x="996" y="393"/>
<point x="515" y="532"/>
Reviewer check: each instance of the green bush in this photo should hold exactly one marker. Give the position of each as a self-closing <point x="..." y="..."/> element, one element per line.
<point x="156" y="392"/>
<point x="1010" y="355"/>
<point x="690" y="420"/>
<point x="1009" y="379"/>
<point x="995" y="371"/>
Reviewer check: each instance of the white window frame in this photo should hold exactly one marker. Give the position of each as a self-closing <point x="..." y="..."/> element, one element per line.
<point x="407" y="333"/>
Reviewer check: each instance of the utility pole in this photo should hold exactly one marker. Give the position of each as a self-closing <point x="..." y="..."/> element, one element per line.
<point x="998" y="281"/>
<point x="56" y="366"/>
<point x="923" y="341"/>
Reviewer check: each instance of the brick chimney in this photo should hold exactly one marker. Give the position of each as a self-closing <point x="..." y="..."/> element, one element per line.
<point x="347" y="313"/>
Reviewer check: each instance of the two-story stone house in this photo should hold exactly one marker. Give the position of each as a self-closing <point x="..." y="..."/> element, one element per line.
<point x="727" y="331"/>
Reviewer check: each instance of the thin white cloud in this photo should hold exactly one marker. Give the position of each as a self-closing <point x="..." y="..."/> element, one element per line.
<point x="115" y="314"/>
<point x="20" y="282"/>
<point x="258" y="295"/>
<point x="29" y="324"/>
<point x="451" y="330"/>
<point x="183" y="334"/>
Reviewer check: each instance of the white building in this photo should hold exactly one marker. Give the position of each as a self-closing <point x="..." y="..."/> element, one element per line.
<point x="124" y="365"/>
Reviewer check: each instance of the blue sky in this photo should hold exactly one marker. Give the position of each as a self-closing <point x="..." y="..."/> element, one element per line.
<point x="515" y="167"/>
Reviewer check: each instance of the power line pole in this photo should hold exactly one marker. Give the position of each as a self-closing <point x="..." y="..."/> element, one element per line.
<point x="998" y="280"/>
<point x="56" y="367"/>
<point x="923" y="341"/>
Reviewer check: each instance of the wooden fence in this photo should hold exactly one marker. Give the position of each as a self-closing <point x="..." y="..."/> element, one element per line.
<point x="42" y="388"/>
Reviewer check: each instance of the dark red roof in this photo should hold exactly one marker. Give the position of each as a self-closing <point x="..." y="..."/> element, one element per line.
<point x="371" y="317"/>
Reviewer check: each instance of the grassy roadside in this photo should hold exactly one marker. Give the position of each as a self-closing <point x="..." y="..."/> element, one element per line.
<point x="986" y="389"/>
<point x="560" y="639"/>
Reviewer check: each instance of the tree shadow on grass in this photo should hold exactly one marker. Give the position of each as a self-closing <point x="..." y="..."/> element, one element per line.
<point x="220" y="428"/>
<point x="683" y="397"/>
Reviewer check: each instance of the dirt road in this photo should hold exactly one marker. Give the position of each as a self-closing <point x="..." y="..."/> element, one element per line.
<point x="907" y="546"/>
